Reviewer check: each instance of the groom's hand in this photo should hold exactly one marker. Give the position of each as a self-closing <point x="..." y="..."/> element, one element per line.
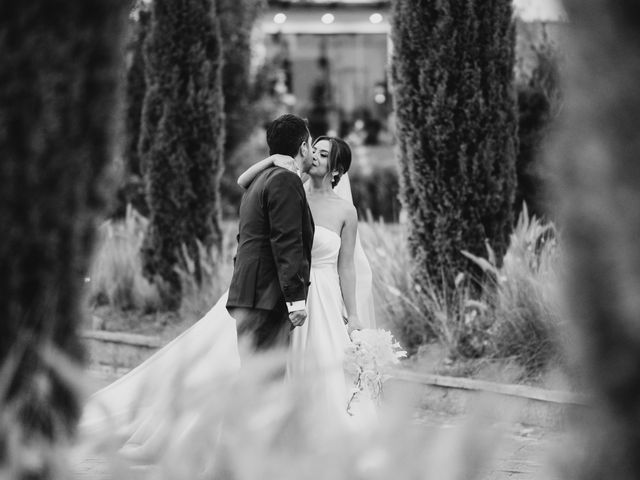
<point x="298" y="318"/>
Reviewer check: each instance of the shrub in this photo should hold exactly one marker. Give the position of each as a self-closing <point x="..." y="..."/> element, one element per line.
<point x="132" y="191"/>
<point x="253" y="425"/>
<point x="396" y="303"/>
<point x="538" y="105"/>
<point x="516" y="315"/>
<point x="59" y="79"/>
<point x="182" y="137"/>
<point x="216" y="266"/>
<point x="115" y="277"/>
<point x="237" y="18"/>
<point x="597" y="188"/>
<point x="522" y="296"/>
<point x="452" y="71"/>
<point x="376" y="194"/>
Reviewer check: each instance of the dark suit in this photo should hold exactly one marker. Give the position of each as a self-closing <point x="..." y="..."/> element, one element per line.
<point x="273" y="259"/>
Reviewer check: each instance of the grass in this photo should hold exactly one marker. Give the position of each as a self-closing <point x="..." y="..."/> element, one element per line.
<point x="257" y="426"/>
<point x="522" y="296"/>
<point x="252" y="426"/>
<point x="122" y="299"/>
<point x="115" y="277"/>
<point x="515" y="318"/>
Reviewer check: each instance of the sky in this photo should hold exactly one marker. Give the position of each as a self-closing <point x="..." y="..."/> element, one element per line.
<point x="541" y="10"/>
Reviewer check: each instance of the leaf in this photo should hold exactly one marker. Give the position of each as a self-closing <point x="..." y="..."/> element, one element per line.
<point x="483" y="263"/>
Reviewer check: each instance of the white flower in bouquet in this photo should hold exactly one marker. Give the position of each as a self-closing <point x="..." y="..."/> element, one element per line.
<point x="369" y="356"/>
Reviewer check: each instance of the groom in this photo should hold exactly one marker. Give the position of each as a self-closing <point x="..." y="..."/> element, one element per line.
<point x="268" y="291"/>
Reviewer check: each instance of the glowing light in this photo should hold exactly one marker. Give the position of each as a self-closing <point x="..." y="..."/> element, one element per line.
<point x="375" y="18"/>
<point x="279" y="18"/>
<point x="380" y="98"/>
<point x="328" y="18"/>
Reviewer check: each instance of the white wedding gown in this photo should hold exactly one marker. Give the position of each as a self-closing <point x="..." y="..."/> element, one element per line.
<point x="317" y="347"/>
<point x="208" y="353"/>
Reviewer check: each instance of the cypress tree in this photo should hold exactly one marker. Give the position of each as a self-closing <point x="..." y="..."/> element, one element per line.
<point x="133" y="188"/>
<point x="452" y="72"/>
<point x="597" y="188"/>
<point x="59" y="84"/>
<point x="539" y="100"/>
<point x="182" y="137"/>
<point x="237" y="18"/>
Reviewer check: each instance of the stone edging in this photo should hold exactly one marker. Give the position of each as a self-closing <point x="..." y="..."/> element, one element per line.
<point x="459" y="383"/>
<point x="132" y="339"/>
<point x="521" y="391"/>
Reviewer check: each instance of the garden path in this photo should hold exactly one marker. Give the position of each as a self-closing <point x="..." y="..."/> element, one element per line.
<point x="524" y="452"/>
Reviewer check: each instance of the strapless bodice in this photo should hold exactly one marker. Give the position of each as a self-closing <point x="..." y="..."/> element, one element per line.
<point x="325" y="249"/>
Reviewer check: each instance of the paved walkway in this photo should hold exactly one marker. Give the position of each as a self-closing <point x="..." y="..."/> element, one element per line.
<point x="522" y="453"/>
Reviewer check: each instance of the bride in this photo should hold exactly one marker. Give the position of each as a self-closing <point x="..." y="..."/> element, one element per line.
<point x="208" y="351"/>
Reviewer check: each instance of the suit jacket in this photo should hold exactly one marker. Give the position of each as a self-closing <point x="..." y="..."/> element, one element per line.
<point x="275" y="236"/>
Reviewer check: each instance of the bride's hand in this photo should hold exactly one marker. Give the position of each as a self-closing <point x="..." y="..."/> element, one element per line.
<point x="284" y="161"/>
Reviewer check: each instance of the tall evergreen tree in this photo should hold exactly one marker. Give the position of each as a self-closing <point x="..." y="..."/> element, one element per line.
<point x="237" y="18"/>
<point x="597" y="189"/>
<point x="59" y="78"/>
<point x="182" y="137"/>
<point x="133" y="185"/>
<point x="539" y="101"/>
<point x="452" y="72"/>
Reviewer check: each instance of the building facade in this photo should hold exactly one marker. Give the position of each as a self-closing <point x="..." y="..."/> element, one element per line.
<point x="330" y="59"/>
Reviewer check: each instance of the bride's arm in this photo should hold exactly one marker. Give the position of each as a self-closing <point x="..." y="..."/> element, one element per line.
<point x="346" y="267"/>
<point x="284" y="161"/>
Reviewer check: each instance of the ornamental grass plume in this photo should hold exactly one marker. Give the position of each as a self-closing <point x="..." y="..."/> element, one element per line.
<point x="115" y="277"/>
<point x="521" y="296"/>
<point x="255" y="426"/>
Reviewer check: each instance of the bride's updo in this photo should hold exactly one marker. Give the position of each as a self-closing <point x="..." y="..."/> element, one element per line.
<point x="339" y="157"/>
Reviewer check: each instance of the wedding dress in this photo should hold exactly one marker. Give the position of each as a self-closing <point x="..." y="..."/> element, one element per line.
<point x="317" y="347"/>
<point x="207" y="353"/>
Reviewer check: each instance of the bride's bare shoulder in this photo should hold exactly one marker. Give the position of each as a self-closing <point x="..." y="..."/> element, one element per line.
<point x="346" y="209"/>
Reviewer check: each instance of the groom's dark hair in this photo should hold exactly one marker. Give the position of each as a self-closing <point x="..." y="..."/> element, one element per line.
<point x="286" y="133"/>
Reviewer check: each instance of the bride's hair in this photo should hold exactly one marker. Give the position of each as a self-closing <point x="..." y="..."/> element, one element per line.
<point x="339" y="157"/>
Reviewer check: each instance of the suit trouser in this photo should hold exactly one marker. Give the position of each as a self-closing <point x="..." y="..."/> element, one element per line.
<point x="264" y="329"/>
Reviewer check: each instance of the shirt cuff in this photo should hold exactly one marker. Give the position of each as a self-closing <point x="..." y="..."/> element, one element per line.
<point x="295" y="306"/>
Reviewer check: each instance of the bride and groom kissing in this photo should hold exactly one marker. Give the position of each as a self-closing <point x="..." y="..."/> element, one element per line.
<point x="271" y="291"/>
<point x="300" y="276"/>
<point x="299" y="273"/>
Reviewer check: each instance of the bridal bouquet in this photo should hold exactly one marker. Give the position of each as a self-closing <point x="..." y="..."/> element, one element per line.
<point x="368" y="358"/>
